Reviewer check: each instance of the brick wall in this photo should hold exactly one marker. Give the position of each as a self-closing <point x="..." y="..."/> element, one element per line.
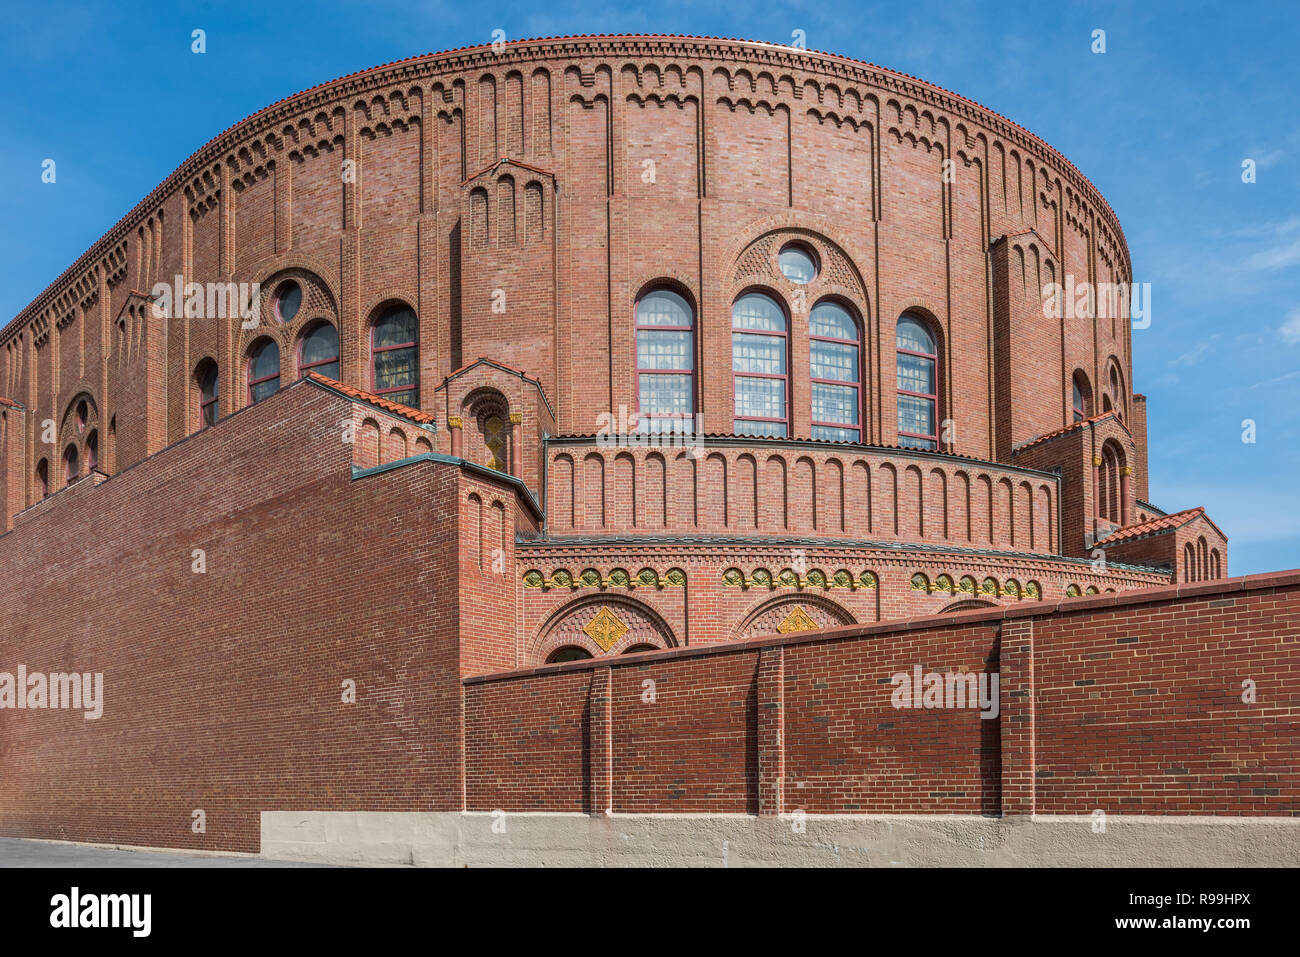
<point x="1128" y="703"/>
<point x="750" y="149"/>
<point x="223" y="689"/>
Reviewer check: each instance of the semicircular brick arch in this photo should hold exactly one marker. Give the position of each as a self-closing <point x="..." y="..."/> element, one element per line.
<point x="602" y="625"/>
<point x="787" y="614"/>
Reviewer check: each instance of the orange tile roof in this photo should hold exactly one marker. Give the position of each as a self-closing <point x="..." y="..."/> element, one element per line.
<point x="1091" y="420"/>
<point x="1161" y="523"/>
<point x="396" y="408"/>
<point x="9" y="403"/>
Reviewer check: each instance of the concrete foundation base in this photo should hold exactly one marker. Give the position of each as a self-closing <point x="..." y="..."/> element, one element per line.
<point x="450" y="839"/>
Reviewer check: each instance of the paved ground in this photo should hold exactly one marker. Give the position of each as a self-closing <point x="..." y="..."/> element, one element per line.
<point x="19" y="853"/>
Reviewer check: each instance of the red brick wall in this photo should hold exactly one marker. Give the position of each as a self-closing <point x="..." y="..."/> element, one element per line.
<point x="750" y="148"/>
<point x="1078" y="729"/>
<point x="1140" y="710"/>
<point x="223" y="689"/>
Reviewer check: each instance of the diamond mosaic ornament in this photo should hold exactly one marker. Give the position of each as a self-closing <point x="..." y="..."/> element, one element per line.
<point x="605" y="629"/>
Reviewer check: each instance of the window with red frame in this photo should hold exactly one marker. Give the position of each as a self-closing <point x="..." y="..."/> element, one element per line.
<point x="665" y="363"/>
<point x="319" y="351"/>
<point x="263" y="370"/>
<point x="71" y="466"/>
<point x="92" y="451"/>
<point x="395" y="356"/>
<point x="918" y="385"/>
<point x="759" y="354"/>
<point x="43" y="478"/>
<point x="834" y="373"/>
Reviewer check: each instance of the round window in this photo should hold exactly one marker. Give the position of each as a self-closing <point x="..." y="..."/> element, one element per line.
<point x="288" y="299"/>
<point x="798" y="263"/>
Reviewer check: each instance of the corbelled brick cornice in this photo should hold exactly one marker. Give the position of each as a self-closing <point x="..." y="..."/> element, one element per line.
<point x="587" y="51"/>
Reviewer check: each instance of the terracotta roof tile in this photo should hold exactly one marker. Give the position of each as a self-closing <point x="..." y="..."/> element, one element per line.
<point x="1161" y="523"/>
<point x="9" y="403"/>
<point x="1091" y="420"/>
<point x="396" y="408"/>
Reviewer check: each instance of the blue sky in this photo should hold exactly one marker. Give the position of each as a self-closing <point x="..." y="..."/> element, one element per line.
<point x="1160" y="122"/>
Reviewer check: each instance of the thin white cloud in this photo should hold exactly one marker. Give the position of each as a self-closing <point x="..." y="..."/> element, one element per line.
<point x="1290" y="328"/>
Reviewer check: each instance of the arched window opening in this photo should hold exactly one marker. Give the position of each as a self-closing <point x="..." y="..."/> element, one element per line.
<point x="568" y="653"/>
<point x="263" y="370"/>
<point x="395" y="356"/>
<point x="71" y="465"/>
<point x="209" y="385"/>
<point x="319" y="351"/>
<point x="1110" y="496"/>
<point x="759" y="352"/>
<point x="834" y="375"/>
<point x="665" y="363"/>
<point x="1082" y="402"/>
<point x="918" y="385"/>
<point x="92" y="451"/>
<point x="638" y="648"/>
<point x="43" y="478"/>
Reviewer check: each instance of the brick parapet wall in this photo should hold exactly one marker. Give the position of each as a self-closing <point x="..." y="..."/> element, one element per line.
<point x="807" y="489"/>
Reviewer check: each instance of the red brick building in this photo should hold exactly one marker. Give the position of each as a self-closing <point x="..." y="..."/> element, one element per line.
<point x="615" y="344"/>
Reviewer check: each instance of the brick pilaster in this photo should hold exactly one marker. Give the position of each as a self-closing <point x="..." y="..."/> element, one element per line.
<point x="600" y="744"/>
<point x="1016" y="718"/>
<point x="771" y="730"/>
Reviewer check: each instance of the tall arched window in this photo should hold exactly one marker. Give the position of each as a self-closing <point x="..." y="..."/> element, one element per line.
<point x="395" y="356"/>
<point x="319" y="351"/>
<point x="1110" y="495"/>
<point x="92" y="451"/>
<point x="834" y="373"/>
<point x="918" y="385"/>
<point x="1082" y="397"/>
<point x="71" y="465"/>
<point x="263" y="370"/>
<point x="665" y="363"/>
<point x="43" y="478"/>
<point x="758" y="362"/>
<point x="207" y="379"/>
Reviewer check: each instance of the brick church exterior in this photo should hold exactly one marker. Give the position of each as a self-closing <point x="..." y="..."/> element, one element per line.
<point x="566" y="350"/>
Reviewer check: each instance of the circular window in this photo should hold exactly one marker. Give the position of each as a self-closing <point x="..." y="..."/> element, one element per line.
<point x="288" y="298"/>
<point x="798" y="263"/>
